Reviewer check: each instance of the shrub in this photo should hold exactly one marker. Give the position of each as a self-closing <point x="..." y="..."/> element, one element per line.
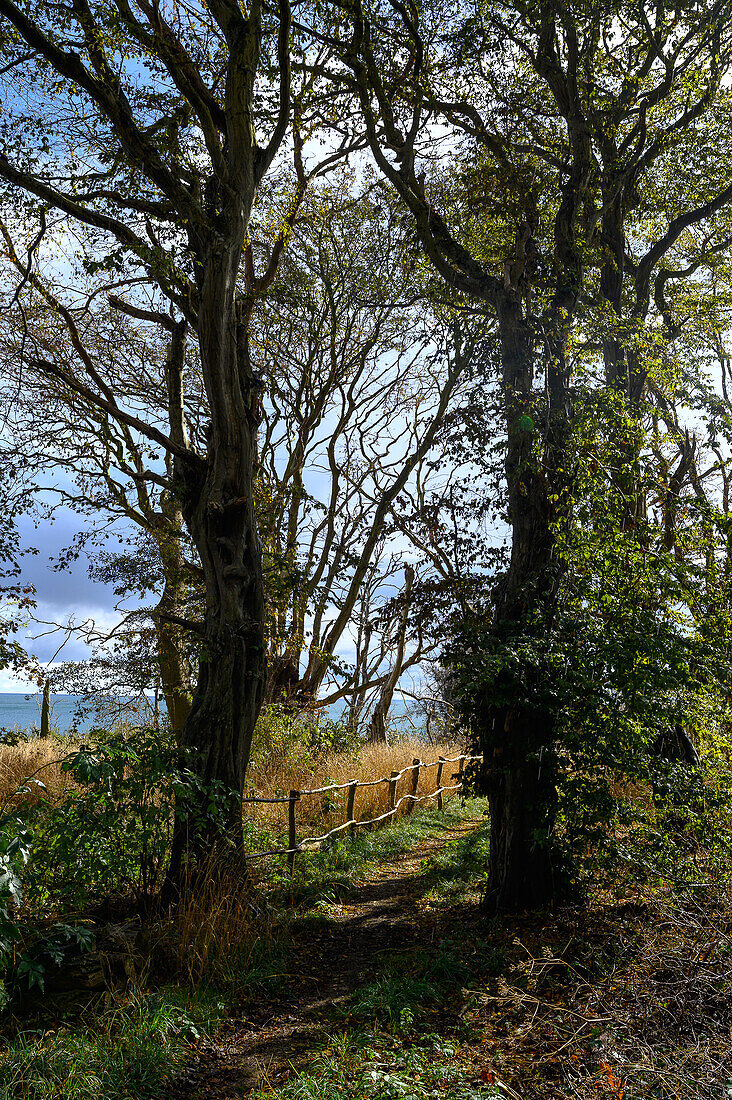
<point x="105" y="833"/>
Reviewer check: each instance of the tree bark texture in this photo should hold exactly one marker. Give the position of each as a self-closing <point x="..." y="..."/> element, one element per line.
<point x="175" y="672"/>
<point x="517" y="734"/>
<point x="218" y="506"/>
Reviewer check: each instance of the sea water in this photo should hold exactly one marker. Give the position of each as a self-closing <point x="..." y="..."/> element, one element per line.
<point x="19" y="711"/>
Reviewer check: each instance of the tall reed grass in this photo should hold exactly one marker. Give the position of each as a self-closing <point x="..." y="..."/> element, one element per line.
<point x="280" y="774"/>
<point x="216" y="927"/>
<point x="39" y="758"/>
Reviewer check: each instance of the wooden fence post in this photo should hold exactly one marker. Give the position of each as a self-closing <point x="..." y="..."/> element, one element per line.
<point x="351" y="805"/>
<point x="416" y="765"/>
<point x="461" y="769"/>
<point x="292" y="835"/>
<point x="393" y="780"/>
<point x="440" y="766"/>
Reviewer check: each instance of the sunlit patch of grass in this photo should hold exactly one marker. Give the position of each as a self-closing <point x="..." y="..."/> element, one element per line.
<point x="126" y="1052"/>
<point x="332" y="874"/>
<point x="289" y="764"/>
<point x="368" y="1065"/>
<point x="458" y="870"/>
<point x="40" y="757"/>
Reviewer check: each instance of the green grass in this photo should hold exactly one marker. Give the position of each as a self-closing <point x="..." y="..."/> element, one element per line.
<point x="404" y="1035"/>
<point x="126" y="1052"/>
<point x="367" y="1065"/>
<point x="327" y="876"/>
<point x="255" y="975"/>
<point x="411" y="987"/>
<point x="458" y="869"/>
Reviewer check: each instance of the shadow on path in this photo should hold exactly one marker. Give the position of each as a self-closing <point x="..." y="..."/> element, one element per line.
<point x="328" y="963"/>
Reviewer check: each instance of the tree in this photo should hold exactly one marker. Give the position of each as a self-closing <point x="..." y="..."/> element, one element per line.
<point x="518" y="734"/>
<point x="103" y="469"/>
<point x="377" y="728"/>
<point x="362" y="374"/>
<point x="149" y="143"/>
<point x="528" y="93"/>
<point x="17" y="599"/>
<point x="357" y="384"/>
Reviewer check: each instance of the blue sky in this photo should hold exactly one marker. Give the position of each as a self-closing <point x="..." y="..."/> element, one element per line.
<point x="61" y="594"/>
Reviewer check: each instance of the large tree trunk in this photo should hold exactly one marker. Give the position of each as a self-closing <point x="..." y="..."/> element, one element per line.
<point x="524" y="871"/>
<point x="517" y="730"/>
<point x="520" y="727"/>
<point x="218" y="505"/>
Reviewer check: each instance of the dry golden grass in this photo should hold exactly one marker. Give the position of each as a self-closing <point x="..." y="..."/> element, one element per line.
<point x="292" y="768"/>
<point x="39" y="758"/>
<point x="216" y="925"/>
<point x="370" y="763"/>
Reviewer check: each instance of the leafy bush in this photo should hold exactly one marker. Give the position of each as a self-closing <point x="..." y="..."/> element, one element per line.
<point x="298" y="737"/>
<point x="106" y="833"/>
<point x="634" y="642"/>
<point x="111" y="831"/>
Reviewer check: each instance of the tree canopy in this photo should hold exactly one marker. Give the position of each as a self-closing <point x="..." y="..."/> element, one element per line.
<point x="329" y="303"/>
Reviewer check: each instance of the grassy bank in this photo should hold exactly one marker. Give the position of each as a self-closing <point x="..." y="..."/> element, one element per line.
<point x="128" y="1049"/>
<point x="378" y="940"/>
<point x="228" y="960"/>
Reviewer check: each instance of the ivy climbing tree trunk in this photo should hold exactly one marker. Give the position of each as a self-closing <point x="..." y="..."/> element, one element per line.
<point x="515" y="725"/>
<point x="517" y="731"/>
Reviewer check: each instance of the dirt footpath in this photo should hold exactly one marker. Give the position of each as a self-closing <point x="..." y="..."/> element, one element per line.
<point x="326" y="966"/>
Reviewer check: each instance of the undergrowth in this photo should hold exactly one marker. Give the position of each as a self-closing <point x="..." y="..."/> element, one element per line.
<point x="127" y="1051"/>
<point x="401" y="1034"/>
<point x="231" y="952"/>
<point x="624" y="998"/>
<point x="364" y="1065"/>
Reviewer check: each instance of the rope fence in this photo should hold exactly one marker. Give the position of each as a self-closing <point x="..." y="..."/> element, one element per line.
<point x="351" y="822"/>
